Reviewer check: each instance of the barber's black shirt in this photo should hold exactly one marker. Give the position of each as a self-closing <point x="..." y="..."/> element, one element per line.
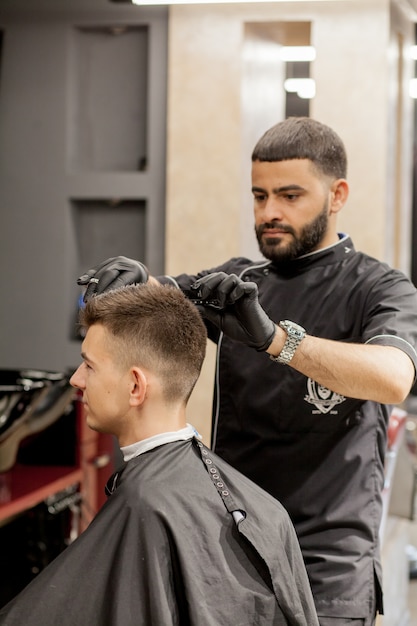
<point x="319" y="453"/>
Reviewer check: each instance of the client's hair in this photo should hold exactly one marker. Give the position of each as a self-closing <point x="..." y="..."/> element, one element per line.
<point x="156" y="327"/>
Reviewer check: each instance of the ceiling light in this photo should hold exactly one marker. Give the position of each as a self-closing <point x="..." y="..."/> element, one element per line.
<point x="303" y="87"/>
<point x="150" y="2"/>
<point x="412" y="89"/>
<point x="297" y="53"/>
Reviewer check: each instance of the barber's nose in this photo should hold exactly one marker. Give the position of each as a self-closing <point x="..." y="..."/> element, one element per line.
<point x="272" y="210"/>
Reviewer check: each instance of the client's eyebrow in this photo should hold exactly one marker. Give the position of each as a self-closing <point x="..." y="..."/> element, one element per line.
<point x="85" y="357"/>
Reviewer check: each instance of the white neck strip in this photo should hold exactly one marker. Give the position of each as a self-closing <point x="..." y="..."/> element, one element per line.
<point x="135" y="449"/>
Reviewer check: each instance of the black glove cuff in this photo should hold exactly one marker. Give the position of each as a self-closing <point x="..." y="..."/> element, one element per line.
<point x="269" y="340"/>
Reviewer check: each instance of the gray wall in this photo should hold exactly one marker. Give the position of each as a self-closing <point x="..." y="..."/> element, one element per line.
<point x="82" y="161"/>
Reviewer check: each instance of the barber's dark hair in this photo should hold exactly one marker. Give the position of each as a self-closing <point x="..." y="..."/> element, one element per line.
<point x="304" y="138"/>
<point x="153" y="326"/>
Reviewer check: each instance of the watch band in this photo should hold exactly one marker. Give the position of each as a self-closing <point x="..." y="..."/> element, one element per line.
<point x="295" y="335"/>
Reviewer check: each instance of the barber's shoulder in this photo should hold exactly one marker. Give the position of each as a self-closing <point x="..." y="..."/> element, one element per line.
<point x="369" y="266"/>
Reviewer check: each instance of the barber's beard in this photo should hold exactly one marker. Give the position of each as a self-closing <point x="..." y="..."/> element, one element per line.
<point x="307" y="241"/>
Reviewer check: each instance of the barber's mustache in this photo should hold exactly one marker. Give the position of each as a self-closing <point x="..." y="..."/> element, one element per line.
<point x="285" y="228"/>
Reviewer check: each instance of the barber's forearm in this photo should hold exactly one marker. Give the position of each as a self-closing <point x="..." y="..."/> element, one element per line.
<point x="367" y="372"/>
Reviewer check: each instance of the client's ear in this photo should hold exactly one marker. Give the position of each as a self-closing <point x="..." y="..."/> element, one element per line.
<point x="138" y="384"/>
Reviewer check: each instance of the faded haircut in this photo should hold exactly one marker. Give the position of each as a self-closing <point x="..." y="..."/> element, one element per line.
<point x="156" y="327"/>
<point x="304" y="138"/>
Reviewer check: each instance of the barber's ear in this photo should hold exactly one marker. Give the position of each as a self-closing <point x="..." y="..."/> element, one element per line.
<point x="339" y="194"/>
<point x="138" y="384"/>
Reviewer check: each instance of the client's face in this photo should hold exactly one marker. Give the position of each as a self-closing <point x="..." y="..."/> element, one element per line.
<point x="104" y="384"/>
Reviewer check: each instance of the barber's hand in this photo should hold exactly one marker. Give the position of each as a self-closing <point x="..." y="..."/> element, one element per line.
<point x="115" y="272"/>
<point x="233" y="306"/>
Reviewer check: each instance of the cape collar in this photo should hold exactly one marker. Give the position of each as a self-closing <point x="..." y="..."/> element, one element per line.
<point x="135" y="449"/>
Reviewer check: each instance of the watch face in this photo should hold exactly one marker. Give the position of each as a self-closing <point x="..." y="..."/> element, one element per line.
<point x="295" y="334"/>
<point x="293" y="328"/>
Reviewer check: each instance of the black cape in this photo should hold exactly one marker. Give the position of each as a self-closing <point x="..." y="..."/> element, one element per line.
<point x="165" y="550"/>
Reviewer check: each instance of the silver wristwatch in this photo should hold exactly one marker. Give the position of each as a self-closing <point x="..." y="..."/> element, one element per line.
<point x="295" y="335"/>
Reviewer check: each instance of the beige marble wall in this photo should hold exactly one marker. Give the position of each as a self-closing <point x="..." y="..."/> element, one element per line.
<point x="212" y="122"/>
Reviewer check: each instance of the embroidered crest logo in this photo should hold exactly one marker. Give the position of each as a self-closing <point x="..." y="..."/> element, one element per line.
<point x="322" y="398"/>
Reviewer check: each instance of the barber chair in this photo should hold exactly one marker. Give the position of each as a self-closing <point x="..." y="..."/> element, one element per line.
<point x="30" y="401"/>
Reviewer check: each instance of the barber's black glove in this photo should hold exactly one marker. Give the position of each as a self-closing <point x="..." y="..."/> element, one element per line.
<point x="233" y="306"/>
<point x="115" y="272"/>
